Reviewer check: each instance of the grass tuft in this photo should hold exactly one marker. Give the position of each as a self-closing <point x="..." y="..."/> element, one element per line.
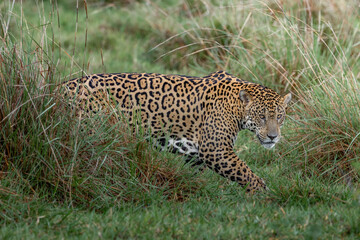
<point x="48" y="152"/>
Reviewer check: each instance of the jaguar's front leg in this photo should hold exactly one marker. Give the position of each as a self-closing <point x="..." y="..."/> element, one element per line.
<point x="216" y="151"/>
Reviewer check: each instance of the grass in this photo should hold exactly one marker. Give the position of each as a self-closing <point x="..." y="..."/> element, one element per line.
<point x="59" y="181"/>
<point x="210" y="219"/>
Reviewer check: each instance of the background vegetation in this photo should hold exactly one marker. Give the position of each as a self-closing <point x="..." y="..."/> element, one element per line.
<point x="59" y="181"/>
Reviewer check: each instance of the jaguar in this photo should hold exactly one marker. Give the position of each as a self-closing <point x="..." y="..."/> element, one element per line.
<point x="196" y="116"/>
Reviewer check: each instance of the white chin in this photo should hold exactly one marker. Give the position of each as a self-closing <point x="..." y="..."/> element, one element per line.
<point x="268" y="145"/>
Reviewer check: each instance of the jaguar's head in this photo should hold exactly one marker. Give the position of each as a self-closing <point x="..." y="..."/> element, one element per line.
<point x="264" y="114"/>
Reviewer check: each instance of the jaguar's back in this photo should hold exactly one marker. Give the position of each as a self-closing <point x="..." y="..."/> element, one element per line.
<point x="166" y="103"/>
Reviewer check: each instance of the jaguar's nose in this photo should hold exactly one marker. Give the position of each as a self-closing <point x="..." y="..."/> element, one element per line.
<point x="272" y="137"/>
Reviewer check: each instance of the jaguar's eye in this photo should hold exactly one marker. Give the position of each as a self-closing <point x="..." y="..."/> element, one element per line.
<point x="279" y="116"/>
<point x="262" y="117"/>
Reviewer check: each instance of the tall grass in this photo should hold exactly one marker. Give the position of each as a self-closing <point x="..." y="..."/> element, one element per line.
<point x="47" y="152"/>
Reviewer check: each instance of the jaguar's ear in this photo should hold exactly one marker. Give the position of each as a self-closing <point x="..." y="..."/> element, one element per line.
<point x="287" y="99"/>
<point x="245" y="97"/>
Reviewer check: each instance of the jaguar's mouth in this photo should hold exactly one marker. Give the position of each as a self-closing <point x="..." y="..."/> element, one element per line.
<point x="268" y="144"/>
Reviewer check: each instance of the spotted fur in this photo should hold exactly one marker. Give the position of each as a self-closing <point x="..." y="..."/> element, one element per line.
<point x="202" y="115"/>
